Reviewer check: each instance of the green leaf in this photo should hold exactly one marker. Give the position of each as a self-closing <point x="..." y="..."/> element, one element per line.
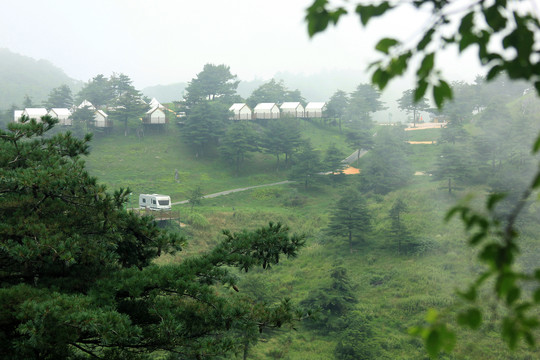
<point x="426" y="66"/>
<point x="433" y="343"/>
<point x="420" y="90"/>
<point x="385" y="44"/>
<point x="469" y="295"/>
<point x="466" y="40"/>
<point x="493" y="199"/>
<point x="494" y="18"/>
<point x="380" y="78"/>
<point x="317" y="17"/>
<point x="536" y="296"/>
<point x="467" y="23"/>
<point x="512" y="295"/>
<point x="426" y="39"/>
<point x="366" y="12"/>
<point x="536" y="145"/>
<point x="471" y="318"/>
<point x="441" y="93"/>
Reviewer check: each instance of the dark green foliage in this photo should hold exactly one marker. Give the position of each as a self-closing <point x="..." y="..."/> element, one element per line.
<point x="195" y="197"/>
<point x="333" y="163"/>
<point x="239" y="140"/>
<point x="398" y="230"/>
<point x="281" y="137"/>
<point x="408" y="104"/>
<point x="204" y="126"/>
<point x="82" y="120"/>
<point x="214" y="82"/>
<point x="356" y="341"/>
<point x="360" y="140"/>
<point x="364" y="101"/>
<point x="331" y="303"/>
<point x="98" y="91"/>
<point x="387" y="167"/>
<point x="60" y="97"/>
<point x="453" y="166"/>
<point x="307" y="166"/>
<point x="77" y="278"/>
<point x="274" y="92"/>
<point x="350" y="219"/>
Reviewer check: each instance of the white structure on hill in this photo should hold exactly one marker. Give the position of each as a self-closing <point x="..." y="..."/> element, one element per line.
<point x="17" y="115"/>
<point x="155" y="116"/>
<point x="315" y="109"/>
<point x="35" y="113"/>
<point x="241" y="112"/>
<point x="101" y="120"/>
<point x="292" y="109"/>
<point x="88" y="104"/>
<point x="154" y="103"/>
<point x="266" y="111"/>
<point x="62" y="114"/>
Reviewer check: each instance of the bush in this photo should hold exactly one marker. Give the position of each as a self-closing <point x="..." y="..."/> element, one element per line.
<point x="198" y="221"/>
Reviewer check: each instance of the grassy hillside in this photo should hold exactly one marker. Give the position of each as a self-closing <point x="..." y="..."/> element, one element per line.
<point x="393" y="291"/>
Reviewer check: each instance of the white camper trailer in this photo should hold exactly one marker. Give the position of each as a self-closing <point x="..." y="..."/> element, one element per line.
<point x="155" y="202"/>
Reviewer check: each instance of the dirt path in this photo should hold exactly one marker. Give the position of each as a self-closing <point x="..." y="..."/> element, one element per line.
<point x="350" y="159"/>
<point x="227" y="192"/>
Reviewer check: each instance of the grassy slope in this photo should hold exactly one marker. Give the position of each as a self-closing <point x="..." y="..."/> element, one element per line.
<point x="394" y="291"/>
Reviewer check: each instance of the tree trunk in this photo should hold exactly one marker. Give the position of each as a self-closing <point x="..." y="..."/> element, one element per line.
<point x="350" y="241"/>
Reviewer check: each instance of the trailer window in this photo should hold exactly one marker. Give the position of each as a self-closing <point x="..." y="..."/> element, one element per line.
<point x="163" y="202"/>
<point x="143" y="200"/>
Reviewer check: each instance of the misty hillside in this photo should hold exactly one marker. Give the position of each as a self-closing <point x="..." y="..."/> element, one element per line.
<point x="22" y="75"/>
<point x="165" y="93"/>
<point x="314" y="87"/>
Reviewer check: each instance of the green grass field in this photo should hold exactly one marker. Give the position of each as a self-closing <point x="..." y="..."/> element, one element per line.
<point x="393" y="291"/>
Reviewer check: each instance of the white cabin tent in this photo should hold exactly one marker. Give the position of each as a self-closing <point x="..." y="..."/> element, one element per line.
<point x="315" y="109"/>
<point x="292" y="109"/>
<point x="101" y="119"/>
<point x="154" y="103"/>
<point x="17" y="115"/>
<point x="155" y="116"/>
<point x="266" y="111"/>
<point x="241" y="112"/>
<point x="62" y="114"/>
<point x="88" y="104"/>
<point x="35" y="113"/>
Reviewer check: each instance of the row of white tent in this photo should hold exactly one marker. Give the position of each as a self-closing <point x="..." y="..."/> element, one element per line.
<point x="156" y="114"/>
<point x="242" y="111"/>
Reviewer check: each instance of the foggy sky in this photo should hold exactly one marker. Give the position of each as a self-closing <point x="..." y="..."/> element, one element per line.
<point x="168" y="41"/>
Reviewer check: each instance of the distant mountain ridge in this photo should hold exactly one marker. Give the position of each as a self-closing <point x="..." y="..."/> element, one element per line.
<point x="22" y="75"/>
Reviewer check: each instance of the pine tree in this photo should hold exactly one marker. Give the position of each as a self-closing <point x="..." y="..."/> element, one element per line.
<point x="77" y="277"/>
<point x="351" y="219"/>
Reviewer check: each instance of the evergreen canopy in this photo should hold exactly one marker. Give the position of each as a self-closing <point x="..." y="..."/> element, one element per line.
<point x="76" y="274"/>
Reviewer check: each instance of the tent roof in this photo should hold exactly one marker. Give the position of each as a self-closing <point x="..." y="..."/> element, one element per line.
<point x="315" y="105"/>
<point x="265" y="106"/>
<point x="61" y="111"/>
<point x="290" y="105"/>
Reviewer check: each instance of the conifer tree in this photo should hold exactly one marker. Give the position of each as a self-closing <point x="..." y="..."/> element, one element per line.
<point x="351" y="219"/>
<point x="77" y="277"/>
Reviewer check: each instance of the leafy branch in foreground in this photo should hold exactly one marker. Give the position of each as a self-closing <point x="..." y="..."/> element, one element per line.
<point x="487" y="25"/>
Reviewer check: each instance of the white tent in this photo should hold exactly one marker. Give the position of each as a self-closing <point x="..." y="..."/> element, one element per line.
<point x="241" y="112"/>
<point x="62" y="114"/>
<point x="292" y="109"/>
<point x="266" y="111"/>
<point x="315" y="109"/>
